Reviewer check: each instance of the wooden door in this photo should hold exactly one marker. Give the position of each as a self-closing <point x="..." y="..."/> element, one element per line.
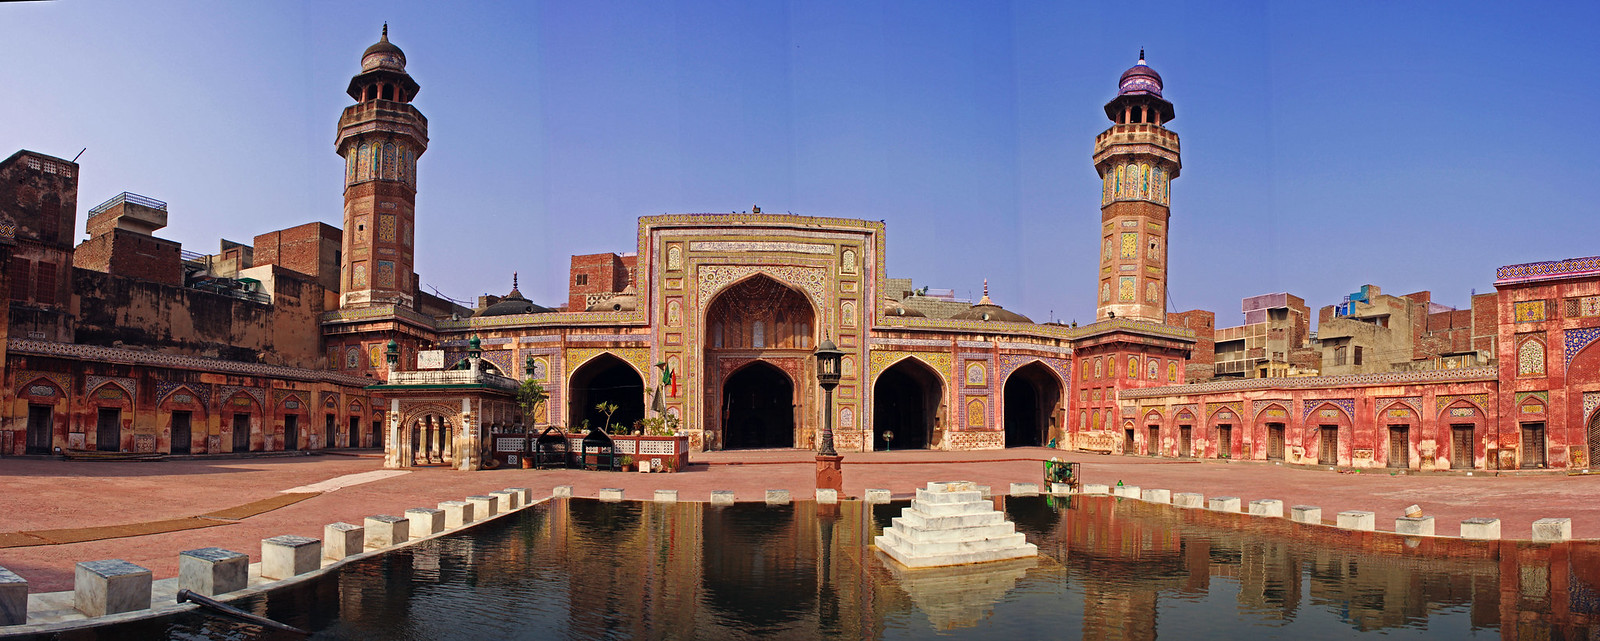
<point x="241" y="432"/>
<point x="1275" y="441"/>
<point x="1461" y="446"/>
<point x="181" y="434"/>
<point x="1532" y="445"/>
<point x="1154" y="446"/>
<point x="331" y="431"/>
<point x="291" y="432"/>
<point x="377" y="434"/>
<point x="1328" y="445"/>
<point x="108" y="430"/>
<point x="1224" y="441"/>
<point x="1128" y="446"/>
<point x="355" y="432"/>
<point x="1185" y="442"/>
<point x="1399" y="446"/>
<point x="41" y="428"/>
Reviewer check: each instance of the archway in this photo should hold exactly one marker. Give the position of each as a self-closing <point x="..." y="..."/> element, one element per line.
<point x="432" y="440"/>
<point x="758" y="408"/>
<point x="1032" y="398"/>
<point x="906" y="400"/>
<point x="605" y="379"/>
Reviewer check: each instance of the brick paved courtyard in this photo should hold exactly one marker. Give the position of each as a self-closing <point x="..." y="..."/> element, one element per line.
<point x="48" y="494"/>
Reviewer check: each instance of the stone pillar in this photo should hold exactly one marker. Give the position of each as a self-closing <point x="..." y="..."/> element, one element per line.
<point x="213" y="571"/>
<point x="340" y="540"/>
<point x="467" y="455"/>
<point x="289" y="555"/>
<point x="392" y="446"/>
<point x="109" y="587"/>
<point x="13" y="598"/>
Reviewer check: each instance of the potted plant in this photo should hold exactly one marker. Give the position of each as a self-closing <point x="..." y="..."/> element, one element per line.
<point x="627" y="463"/>
<point x="608" y="408"/>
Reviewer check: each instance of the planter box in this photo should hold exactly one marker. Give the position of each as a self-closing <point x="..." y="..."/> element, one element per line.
<point x="672" y="451"/>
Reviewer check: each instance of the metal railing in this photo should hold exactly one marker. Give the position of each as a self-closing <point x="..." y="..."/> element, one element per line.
<point x="128" y="197"/>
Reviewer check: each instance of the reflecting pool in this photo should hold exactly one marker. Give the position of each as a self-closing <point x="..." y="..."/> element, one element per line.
<point x="1108" y="569"/>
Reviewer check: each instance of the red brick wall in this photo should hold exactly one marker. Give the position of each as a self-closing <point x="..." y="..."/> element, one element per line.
<point x="312" y="249"/>
<point x="598" y="273"/>
<point x="132" y="255"/>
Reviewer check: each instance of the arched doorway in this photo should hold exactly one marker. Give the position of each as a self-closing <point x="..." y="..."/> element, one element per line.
<point x="1033" y="400"/>
<point x="758" y="408"/>
<point x="905" y="400"/>
<point x="757" y="320"/>
<point x="605" y="379"/>
<point x="432" y="440"/>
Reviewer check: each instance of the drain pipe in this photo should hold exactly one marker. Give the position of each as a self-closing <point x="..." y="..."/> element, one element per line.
<point x="224" y="609"/>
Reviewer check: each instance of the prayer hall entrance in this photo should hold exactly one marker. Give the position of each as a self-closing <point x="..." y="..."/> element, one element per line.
<point x="758" y="408"/>
<point x="1033" y="402"/>
<point x="605" y="379"/>
<point x="758" y="346"/>
<point x="905" y="403"/>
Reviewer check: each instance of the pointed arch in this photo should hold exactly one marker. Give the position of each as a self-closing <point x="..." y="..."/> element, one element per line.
<point x="908" y="399"/>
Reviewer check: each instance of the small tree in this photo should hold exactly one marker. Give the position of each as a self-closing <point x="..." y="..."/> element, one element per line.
<point x="530" y="395"/>
<point x="607" y="408"/>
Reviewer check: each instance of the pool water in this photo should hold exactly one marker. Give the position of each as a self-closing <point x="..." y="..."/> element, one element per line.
<point x="1108" y="569"/>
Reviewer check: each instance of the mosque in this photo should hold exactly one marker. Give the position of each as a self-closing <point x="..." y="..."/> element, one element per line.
<point x="717" y="316"/>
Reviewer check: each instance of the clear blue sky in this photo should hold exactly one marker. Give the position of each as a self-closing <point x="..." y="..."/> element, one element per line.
<point x="1410" y="145"/>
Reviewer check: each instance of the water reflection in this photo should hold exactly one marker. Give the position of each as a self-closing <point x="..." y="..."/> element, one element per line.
<point x="1109" y="569"/>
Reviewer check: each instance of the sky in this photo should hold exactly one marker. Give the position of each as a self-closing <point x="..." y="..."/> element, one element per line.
<point x="1415" y="146"/>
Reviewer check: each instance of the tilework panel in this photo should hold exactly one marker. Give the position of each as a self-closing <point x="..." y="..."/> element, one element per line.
<point x="1236" y="406"/>
<point x="639" y="357"/>
<point x="1529" y="311"/>
<point x="1487" y="373"/>
<point x="1193" y="410"/>
<point x="941" y="362"/>
<point x="1346" y="404"/>
<point x="1256" y="407"/>
<point x="127" y="384"/>
<point x="1574" y="340"/>
<point x="226" y="392"/>
<point x="27" y="377"/>
<point x="812" y="280"/>
<point x="1591" y="400"/>
<point x="1530" y="358"/>
<point x="1414" y="402"/>
<point x="1480" y="400"/>
<point x="1012" y="362"/>
<point x="202" y="391"/>
<point x="1547" y="269"/>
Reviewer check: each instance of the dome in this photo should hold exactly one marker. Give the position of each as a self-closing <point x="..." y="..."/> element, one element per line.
<point x="1140" y="79"/>
<point x="383" y="55"/>
<point x="892" y="307"/>
<point x="986" y="310"/>
<point x="513" y="303"/>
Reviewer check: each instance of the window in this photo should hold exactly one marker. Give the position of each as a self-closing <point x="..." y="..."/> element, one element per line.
<point x="45" y="284"/>
<point x="581" y="279"/>
<point x="1358" y="355"/>
<point x="1339" y="355"/>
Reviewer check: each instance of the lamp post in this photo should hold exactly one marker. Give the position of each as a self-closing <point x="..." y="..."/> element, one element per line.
<point x="830" y="474"/>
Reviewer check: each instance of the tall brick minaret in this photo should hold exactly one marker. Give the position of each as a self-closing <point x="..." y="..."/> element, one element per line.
<point x="1137" y="158"/>
<point x="380" y="138"/>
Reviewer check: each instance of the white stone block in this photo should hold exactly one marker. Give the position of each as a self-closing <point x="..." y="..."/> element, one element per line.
<point x="1024" y="489"/>
<point x="1414" y="525"/>
<point x="1223" y="504"/>
<point x="1126" y="491"/>
<point x="1192" y="500"/>
<point x="109" y="587"/>
<point x="1096" y="488"/>
<point x="827" y="496"/>
<point x="777" y="497"/>
<point x="212" y="571"/>
<point x="1156" y="496"/>
<point x="425" y="521"/>
<point x="340" y="540"/>
<point x="610" y="494"/>
<point x="722" y="497"/>
<point x="456" y="513"/>
<point x="527" y="494"/>
<point x="984" y="491"/>
<point x="1358" y="520"/>
<point x="13" y="598"/>
<point x="1060" y="489"/>
<point x="1306" y="514"/>
<point x="1480" y="529"/>
<point x="484" y="507"/>
<point x="666" y="496"/>
<point x="384" y="530"/>
<point x="878" y="496"/>
<point x="562" y="492"/>
<point x="1552" y="530"/>
<point x="289" y="555"/>
<point x="509" y="500"/>
<point x="1266" y="507"/>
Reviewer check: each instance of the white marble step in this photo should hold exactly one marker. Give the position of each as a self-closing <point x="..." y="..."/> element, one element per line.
<point x="984" y="556"/>
<point x="972" y="533"/>
<point x="934" y="496"/>
<point x="894" y="540"/>
<point x="951" y="509"/>
<point x="927" y="522"/>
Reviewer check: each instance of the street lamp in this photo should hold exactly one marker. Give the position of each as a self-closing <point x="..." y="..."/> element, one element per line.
<point x="829" y="472"/>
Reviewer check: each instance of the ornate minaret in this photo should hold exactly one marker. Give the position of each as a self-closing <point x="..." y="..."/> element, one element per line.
<point x="1137" y="159"/>
<point x="380" y="138"/>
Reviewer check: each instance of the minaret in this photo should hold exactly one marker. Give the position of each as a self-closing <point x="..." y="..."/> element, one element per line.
<point x="1137" y="159"/>
<point x="380" y="138"/>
